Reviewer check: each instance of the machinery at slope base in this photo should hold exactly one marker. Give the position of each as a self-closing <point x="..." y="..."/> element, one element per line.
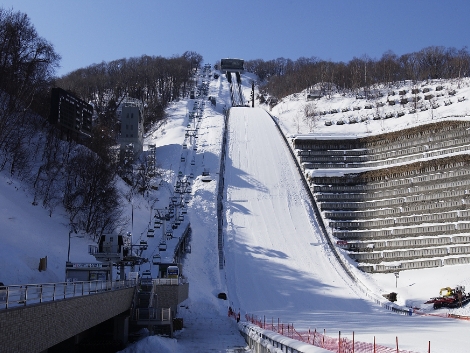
<point x="450" y="298"/>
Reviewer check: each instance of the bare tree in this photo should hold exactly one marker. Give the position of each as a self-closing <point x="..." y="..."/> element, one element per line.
<point x="27" y="66"/>
<point x="433" y="62"/>
<point x="91" y="192"/>
<point x="310" y="115"/>
<point x="27" y="61"/>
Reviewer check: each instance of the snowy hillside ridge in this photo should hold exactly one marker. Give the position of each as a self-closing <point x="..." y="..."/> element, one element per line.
<point x="392" y="108"/>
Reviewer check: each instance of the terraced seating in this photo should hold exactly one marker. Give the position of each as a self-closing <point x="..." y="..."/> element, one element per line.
<point x="381" y="160"/>
<point x="452" y="216"/>
<point x="435" y="229"/>
<point x="419" y="242"/>
<point x="360" y="153"/>
<point x="409" y="209"/>
<point x="358" y="201"/>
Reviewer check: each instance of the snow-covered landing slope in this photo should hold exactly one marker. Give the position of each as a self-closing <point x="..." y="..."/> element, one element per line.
<point x="278" y="265"/>
<point x="271" y="239"/>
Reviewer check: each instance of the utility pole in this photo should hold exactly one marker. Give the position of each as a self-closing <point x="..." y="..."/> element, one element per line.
<point x="72" y="229"/>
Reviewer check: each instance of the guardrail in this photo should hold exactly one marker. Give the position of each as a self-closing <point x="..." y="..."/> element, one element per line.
<point x="263" y="341"/>
<point x="181" y="246"/>
<point x="152" y="314"/>
<point x="220" y="195"/>
<point x="26" y="294"/>
<point x="169" y="281"/>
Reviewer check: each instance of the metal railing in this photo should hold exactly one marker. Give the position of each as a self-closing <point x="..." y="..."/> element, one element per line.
<point x="169" y="281"/>
<point x="152" y="314"/>
<point x="26" y="294"/>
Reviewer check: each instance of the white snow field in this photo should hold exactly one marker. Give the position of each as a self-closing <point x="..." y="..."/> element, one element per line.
<point x="277" y="264"/>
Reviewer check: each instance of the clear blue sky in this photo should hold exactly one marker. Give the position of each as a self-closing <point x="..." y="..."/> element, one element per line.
<point x="85" y="32"/>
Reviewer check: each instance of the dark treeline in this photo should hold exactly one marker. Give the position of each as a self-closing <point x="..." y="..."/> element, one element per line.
<point x="155" y="81"/>
<point x="80" y="179"/>
<point x="27" y="65"/>
<point x="59" y="173"/>
<point x="283" y="77"/>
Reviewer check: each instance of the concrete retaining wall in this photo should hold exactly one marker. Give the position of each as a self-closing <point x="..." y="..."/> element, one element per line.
<point x="170" y="296"/>
<point x="35" y="328"/>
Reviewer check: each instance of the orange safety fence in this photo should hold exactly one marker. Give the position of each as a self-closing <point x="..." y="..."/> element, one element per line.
<point x="335" y="344"/>
<point x="233" y="314"/>
<point x="443" y="315"/>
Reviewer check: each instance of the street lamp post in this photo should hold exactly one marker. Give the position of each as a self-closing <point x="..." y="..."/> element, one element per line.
<point x="397" y="274"/>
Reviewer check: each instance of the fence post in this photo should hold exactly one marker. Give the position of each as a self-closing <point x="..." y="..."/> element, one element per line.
<point x="7" y="298"/>
<point x="429" y="347"/>
<point x="353" y="342"/>
<point x="396" y="339"/>
<point x="339" y="341"/>
<point x="374" y="344"/>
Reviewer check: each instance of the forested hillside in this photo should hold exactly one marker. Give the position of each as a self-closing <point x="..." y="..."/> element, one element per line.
<point x="155" y="81"/>
<point x="282" y="77"/>
<point x="78" y="176"/>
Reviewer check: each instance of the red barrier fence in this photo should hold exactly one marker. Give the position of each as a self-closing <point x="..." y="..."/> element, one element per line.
<point x="444" y="315"/>
<point x="335" y="344"/>
<point x="233" y="314"/>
